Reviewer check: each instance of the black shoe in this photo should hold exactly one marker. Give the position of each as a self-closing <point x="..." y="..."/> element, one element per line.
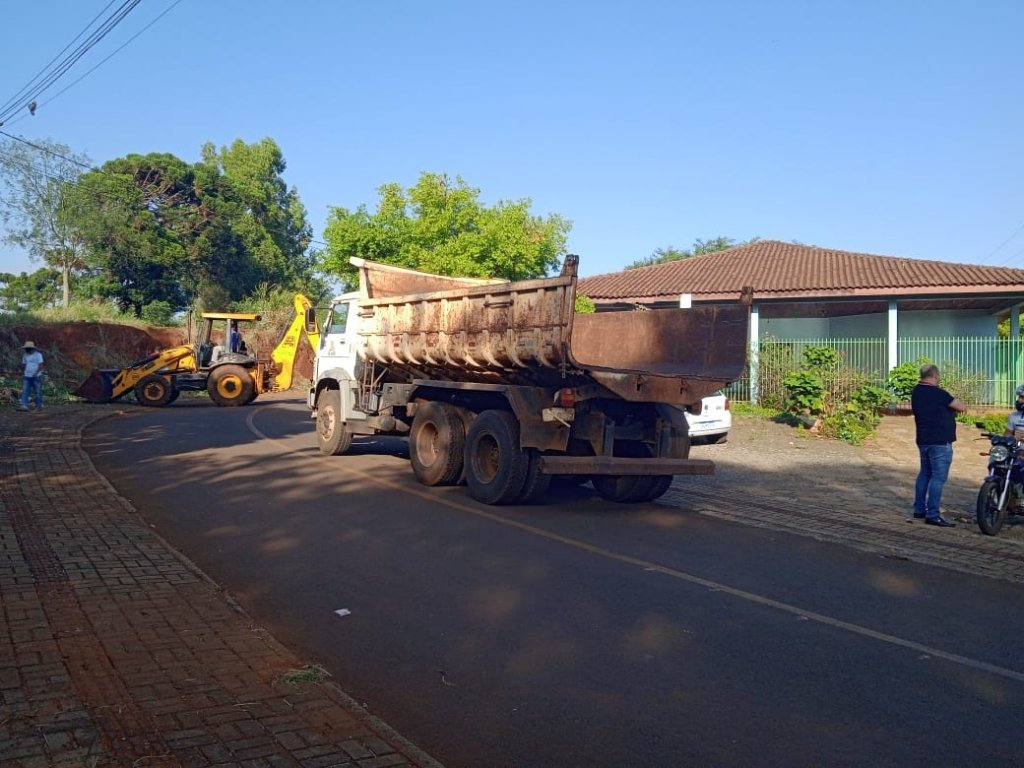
<point x="939" y="521"/>
<point x="919" y="515"/>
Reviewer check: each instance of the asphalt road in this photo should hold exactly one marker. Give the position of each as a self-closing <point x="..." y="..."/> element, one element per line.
<point x="575" y="632"/>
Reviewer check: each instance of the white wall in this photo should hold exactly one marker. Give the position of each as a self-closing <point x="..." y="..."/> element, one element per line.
<point x="946" y="323"/>
<point x="794" y="328"/>
<point x="923" y="324"/>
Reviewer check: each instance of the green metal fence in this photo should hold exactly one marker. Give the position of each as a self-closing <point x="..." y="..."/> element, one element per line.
<point x="986" y="370"/>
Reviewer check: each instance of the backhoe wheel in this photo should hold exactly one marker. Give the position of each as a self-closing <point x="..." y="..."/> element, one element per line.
<point x="436" y="442"/>
<point x="154" y="391"/>
<point x="990" y="517"/>
<point x="230" y="385"/>
<point x="496" y="466"/>
<point x="331" y="436"/>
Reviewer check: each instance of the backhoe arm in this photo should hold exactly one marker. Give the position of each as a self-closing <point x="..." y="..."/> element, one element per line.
<point x="284" y="353"/>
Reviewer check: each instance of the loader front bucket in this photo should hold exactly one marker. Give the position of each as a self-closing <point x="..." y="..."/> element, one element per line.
<point x="99" y="387"/>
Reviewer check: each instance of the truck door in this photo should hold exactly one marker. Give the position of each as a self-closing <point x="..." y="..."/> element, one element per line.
<point x="337" y="354"/>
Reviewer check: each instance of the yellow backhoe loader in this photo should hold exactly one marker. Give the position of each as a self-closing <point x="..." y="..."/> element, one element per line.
<point x="227" y="371"/>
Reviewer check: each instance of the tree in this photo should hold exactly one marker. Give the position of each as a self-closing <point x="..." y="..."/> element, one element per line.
<point x="700" y="247"/>
<point x="442" y="227"/>
<point x="32" y="182"/>
<point x="29" y="291"/>
<point x="158" y="229"/>
<point x="266" y="216"/>
<point x="135" y="214"/>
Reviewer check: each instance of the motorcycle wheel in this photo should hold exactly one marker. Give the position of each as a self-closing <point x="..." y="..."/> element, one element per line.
<point x="990" y="517"/>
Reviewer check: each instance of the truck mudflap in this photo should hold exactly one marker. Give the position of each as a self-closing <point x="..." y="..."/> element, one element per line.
<point x="99" y="386"/>
<point x="615" y="465"/>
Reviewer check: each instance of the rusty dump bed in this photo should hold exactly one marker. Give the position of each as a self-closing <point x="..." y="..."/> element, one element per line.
<point x="469" y="328"/>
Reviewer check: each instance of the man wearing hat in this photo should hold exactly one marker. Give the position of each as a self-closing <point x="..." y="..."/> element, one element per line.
<point x="33" y="361"/>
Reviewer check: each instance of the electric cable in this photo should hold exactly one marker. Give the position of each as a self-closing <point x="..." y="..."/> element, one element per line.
<point x="100" y="64"/>
<point x="16" y="99"/>
<point x="116" y="18"/>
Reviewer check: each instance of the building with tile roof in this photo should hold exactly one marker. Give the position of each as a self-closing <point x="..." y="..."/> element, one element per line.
<point x="808" y="292"/>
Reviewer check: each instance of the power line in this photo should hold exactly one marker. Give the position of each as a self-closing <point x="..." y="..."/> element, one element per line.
<point x="1002" y="245"/>
<point x="101" y="63"/>
<point x="32" y="92"/>
<point x="16" y="98"/>
<point x="47" y="151"/>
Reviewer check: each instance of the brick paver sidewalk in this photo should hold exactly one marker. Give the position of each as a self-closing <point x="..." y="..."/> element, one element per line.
<point x="116" y="651"/>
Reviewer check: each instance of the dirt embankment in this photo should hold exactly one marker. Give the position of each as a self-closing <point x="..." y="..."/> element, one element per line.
<point x="73" y="349"/>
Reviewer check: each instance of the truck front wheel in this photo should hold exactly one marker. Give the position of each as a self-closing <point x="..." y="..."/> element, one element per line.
<point x="331" y="436"/>
<point x="496" y="466"/>
<point x="437" y="439"/>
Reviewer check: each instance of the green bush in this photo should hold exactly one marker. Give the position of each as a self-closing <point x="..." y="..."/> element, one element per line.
<point x="989" y="422"/>
<point x="806" y="392"/>
<point x="157" y="313"/>
<point x="904" y="377"/>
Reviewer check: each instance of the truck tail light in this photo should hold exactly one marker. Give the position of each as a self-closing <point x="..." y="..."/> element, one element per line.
<point x="566" y="398"/>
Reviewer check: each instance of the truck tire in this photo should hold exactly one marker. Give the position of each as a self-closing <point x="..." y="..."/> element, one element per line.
<point x="536" y="484"/>
<point x="661" y="484"/>
<point x="331" y="436"/>
<point x="154" y="391"/>
<point x="627" y="489"/>
<point x="496" y="466"/>
<point x="230" y="385"/>
<point x="437" y="440"/>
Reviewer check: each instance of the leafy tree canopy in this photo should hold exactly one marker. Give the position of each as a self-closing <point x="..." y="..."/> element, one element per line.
<point x="157" y="229"/>
<point x="442" y="227"/>
<point x="700" y="247"/>
<point x="32" y="178"/>
<point x="25" y="291"/>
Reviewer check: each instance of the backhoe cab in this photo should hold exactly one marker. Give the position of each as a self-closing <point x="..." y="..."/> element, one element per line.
<point x="217" y="362"/>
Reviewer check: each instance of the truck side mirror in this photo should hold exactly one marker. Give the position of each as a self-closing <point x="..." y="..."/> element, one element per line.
<point x="311" y="320"/>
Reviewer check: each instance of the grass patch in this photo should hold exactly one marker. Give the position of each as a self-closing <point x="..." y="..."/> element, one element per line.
<point x="749" y="409"/>
<point x="311" y="673"/>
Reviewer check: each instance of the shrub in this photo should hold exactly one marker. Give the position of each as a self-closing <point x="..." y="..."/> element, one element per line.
<point x="989" y="422"/>
<point x="806" y="392"/>
<point x="904" y="377"/>
<point x="157" y="313"/>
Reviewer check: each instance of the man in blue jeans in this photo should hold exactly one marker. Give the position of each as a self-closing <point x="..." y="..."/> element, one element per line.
<point x="935" y="421"/>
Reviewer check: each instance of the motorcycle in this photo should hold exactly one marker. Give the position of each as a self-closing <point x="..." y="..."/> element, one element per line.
<point x="1002" y="492"/>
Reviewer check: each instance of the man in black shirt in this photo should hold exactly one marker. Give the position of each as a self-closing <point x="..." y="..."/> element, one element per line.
<point x="935" y="419"/>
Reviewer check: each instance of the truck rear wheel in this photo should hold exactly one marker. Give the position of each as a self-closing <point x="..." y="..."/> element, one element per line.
<point x="437" y="439"/>
<point x="331" y="436"/>
<point x="628" y="489"/>
<point x="154" y="391"/>
<point x="536" y="484"/>
<point x="496" y="466"/>
<point x="230" y="385"/>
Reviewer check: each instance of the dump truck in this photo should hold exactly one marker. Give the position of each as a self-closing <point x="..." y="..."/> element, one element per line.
<point x="503" y="386"/>
<point x="227" y="371"/>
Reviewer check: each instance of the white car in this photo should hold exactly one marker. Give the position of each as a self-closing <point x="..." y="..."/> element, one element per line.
<point x="712" y="422"/>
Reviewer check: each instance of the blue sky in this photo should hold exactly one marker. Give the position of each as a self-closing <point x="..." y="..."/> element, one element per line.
<point x="878" y="126"/>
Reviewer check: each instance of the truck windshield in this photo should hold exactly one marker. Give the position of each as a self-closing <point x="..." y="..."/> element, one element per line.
<point x="338" y="319"/>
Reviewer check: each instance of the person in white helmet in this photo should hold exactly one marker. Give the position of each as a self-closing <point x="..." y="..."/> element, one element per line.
<point x="1015" y="421"/>
<point x="32" y="359"/>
